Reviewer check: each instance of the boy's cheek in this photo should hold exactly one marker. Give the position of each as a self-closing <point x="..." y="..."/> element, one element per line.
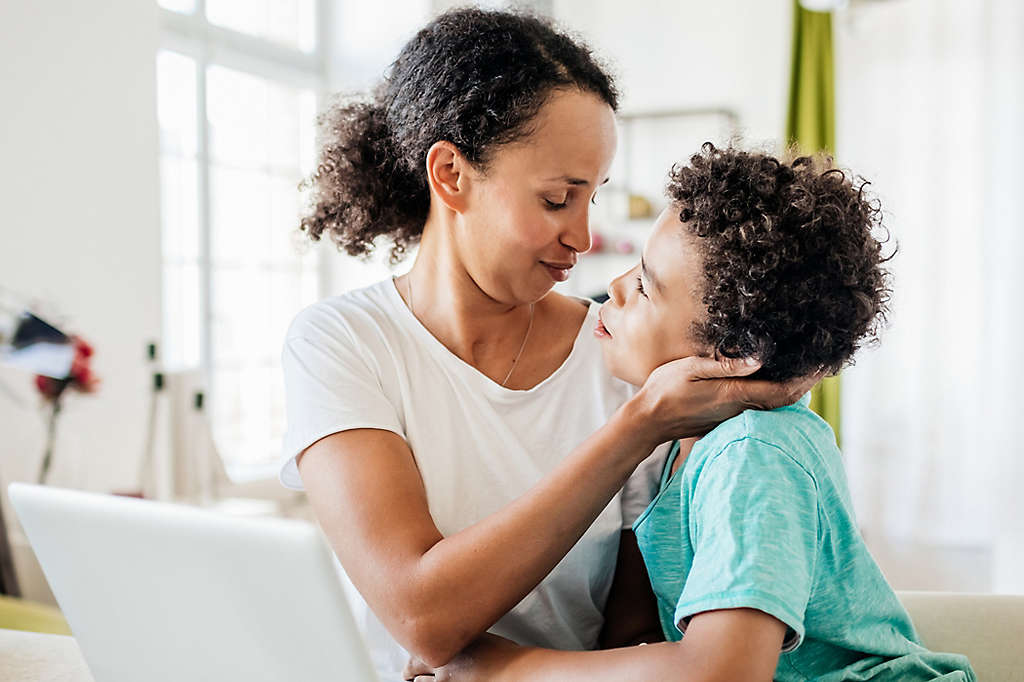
<point x="613" y="361"/>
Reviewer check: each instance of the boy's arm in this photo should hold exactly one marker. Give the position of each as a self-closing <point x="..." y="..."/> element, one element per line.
<point x="719" y="646"/>
<point x="631" y="612"/>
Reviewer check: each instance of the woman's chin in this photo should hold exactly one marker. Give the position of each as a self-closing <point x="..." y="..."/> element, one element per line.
<point x="540" y="287"/>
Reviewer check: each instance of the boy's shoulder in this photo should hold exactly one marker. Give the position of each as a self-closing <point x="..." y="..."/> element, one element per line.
<point x="795" y="431"/>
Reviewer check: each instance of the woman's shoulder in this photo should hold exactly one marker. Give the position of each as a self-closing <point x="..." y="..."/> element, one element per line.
<point x="566" y="315"/>
<point x="570" y="335"/>
<point x="569" y="303"/>
<point x="351" y="313"/>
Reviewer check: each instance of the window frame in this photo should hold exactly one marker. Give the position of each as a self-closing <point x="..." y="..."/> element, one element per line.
<point x="193" y="36"/>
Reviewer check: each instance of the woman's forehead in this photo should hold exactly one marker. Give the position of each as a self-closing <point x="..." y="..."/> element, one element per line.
<point x="573" y="137"/>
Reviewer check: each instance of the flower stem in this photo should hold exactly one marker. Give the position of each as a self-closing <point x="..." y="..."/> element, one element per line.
<point x="51" y="440"/>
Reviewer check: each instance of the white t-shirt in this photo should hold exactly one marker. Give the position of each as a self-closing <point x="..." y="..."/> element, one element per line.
<point x="362" y="360"/>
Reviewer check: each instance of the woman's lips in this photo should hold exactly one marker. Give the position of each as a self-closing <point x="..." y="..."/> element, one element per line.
<point x="558" y="271"/>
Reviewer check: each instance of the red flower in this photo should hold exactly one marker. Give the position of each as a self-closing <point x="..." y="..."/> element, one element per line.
<point x="49" y="387"/>
<point x="80" y="377"/>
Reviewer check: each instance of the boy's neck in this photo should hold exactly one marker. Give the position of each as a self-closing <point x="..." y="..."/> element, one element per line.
<point x="685" y="445"/>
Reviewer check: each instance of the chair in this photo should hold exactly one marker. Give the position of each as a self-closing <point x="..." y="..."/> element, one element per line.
<point x="987" y="628"/>
<point x="18" y="614"/>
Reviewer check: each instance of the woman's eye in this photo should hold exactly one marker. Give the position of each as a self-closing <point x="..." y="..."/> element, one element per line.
<point x="554" y="205"/>
<point x="640" y="286"/>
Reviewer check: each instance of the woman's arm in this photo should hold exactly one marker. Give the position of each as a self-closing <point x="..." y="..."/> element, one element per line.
<point x="720" y="646"/>
<point x="435" y="594"/>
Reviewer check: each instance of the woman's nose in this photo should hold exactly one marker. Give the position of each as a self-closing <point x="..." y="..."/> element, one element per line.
<point x="577" y="233"/>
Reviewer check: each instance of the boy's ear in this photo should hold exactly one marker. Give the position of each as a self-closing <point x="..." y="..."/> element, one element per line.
<point x="449" y="175"/>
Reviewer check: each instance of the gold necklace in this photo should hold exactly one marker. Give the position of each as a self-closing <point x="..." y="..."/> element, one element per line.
<point x="522" y="347"/>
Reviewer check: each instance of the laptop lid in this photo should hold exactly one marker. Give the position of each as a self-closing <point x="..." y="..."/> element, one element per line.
<point x="155" y="591"/>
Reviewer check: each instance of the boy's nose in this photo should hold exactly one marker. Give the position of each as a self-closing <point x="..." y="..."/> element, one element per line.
<point x="615" y="289"/>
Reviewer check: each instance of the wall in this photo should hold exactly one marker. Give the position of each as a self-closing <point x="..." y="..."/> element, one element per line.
<point x="931" y="95"/>
<point x="80" y="222"/>
<point x="728" y="53"/>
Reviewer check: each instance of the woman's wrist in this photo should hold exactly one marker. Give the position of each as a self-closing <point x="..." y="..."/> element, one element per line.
<point x="637" y="417"/>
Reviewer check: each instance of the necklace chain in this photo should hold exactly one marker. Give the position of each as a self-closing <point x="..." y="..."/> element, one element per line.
<point x="522" y="347"/>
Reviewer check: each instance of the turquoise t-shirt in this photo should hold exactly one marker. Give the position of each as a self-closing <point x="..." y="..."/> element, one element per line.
<point x="759" y="516"/>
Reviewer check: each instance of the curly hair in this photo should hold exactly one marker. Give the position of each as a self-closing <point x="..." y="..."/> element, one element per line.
<point x="792" y="266"/>
<point x="472" y="77"/>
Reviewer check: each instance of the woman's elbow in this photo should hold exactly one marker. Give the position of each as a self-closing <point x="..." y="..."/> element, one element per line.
<point x="432" y="642"/>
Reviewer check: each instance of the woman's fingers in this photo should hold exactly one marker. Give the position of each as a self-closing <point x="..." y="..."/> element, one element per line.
<point x="417" y="670"/>
<point x="723" y="368"/>
<point x="768" y="395"/>
<point x="691" y="396"/>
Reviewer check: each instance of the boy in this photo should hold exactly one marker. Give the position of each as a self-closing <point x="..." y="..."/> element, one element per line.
<point x="751" y="544"/>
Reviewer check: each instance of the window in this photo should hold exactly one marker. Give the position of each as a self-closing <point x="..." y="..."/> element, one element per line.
<point x="236" y="99"/>
<point x="291" y="23"/>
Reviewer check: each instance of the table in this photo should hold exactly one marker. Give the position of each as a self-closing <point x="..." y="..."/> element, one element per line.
<point x="32" y="657"/>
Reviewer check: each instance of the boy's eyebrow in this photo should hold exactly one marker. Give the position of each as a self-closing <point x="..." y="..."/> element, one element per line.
<point x="575" y="181"/>
<point x="647" y="274"/>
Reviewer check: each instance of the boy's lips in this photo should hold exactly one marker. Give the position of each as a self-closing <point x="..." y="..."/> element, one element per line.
<point x="600" y="330"/>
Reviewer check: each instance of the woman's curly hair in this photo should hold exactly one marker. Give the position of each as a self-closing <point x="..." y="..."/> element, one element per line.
<point x="472" y="77"/>
<point x="793" y="270"/>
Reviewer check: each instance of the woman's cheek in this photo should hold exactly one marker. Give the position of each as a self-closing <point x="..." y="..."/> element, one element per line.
<point x="539" y="231"/>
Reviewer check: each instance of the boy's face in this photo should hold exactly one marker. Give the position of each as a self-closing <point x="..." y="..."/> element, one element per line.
<point x="648" y="318"/>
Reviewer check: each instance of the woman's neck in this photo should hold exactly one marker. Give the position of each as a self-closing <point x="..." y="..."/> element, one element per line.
<point x="451" y="305"/>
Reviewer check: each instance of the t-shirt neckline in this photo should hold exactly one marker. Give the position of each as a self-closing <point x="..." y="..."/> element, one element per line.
<point x="453" y="360"/>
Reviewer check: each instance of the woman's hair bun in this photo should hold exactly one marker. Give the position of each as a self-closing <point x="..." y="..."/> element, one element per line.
<point x="360" y="184"/>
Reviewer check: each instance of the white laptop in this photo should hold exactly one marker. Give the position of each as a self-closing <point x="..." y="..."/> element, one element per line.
<point x="157" y="592"/>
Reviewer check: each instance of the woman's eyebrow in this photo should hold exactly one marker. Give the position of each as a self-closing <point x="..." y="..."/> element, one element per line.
<point x="650" y="278"/>
<point x="573" y="181"/>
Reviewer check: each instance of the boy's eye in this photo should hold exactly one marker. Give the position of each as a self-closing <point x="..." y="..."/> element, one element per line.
<point x="554" y="205"/>
<point x="640" y="286"/>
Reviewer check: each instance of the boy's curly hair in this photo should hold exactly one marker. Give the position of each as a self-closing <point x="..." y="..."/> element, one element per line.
<point x="792" y="268"/>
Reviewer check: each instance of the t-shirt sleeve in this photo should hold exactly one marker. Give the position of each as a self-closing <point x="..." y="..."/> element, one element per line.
<point x="754" y="526"/>
<point x="642" y="485"/>
<point x="329" y="387"/>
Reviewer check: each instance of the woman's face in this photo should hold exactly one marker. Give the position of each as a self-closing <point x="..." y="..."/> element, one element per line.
<point x="649" y="317"/>
<point x="528" y="215"/>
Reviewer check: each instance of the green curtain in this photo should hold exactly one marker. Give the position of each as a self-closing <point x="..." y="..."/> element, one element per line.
<point x="811" y="125"/>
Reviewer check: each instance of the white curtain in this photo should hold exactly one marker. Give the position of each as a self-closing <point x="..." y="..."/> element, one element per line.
<point x="930" y="108"/>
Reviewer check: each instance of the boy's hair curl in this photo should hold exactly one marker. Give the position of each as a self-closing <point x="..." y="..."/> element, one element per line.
<point x="793" y="269"/>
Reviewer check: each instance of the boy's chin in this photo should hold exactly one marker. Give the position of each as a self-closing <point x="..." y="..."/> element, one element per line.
<point x="629" y="371"/>
<point x="623" y="374"/>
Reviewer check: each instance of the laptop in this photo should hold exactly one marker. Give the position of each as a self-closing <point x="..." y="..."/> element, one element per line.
<point x="155" y="591"/>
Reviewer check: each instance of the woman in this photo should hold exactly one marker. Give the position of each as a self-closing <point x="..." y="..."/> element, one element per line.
<point x="440" y="420"/>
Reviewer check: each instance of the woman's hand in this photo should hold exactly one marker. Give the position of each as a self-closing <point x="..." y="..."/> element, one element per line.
<point x="691" y="396"/>
<point x="482" y="661"/>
